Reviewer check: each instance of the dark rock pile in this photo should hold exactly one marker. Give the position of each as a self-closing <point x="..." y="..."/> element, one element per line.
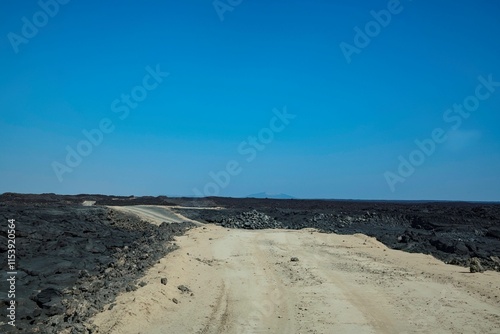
<point x="250" y="220"/>
<point x="73" y="260"/>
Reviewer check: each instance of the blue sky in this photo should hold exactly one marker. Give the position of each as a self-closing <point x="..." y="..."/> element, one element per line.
<point x="354" y="119"/>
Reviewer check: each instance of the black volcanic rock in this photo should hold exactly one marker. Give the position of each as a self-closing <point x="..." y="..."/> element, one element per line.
<point x="494" y="232"/>
<point x="72" y="260"/>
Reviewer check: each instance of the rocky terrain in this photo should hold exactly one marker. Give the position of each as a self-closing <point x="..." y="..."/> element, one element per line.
<point x="72" y="260"/>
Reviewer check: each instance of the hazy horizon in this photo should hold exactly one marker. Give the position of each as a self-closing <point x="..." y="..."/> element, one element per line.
<point x="271" y="197"/>
<point x="369" y="100"/>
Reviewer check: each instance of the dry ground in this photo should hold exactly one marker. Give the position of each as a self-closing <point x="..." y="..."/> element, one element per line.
<point x="244" y="282"/>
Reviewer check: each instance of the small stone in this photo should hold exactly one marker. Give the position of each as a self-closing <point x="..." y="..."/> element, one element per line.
<point x="163" y="281"/>
<point x="183" y="288"/>
<point x="294" y="259"/>
<point x="175" y="300"/>
<point x="130" y="288"/>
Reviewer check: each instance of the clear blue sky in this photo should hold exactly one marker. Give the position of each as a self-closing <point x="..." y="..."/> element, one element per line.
<point x="354" y="119"/>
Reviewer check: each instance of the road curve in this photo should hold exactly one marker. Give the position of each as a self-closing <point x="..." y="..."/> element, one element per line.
<point x="154" y="214"/>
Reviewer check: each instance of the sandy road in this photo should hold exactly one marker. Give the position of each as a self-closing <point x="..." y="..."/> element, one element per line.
<point x="154" y="214"/>
<point x="244" y="282"/>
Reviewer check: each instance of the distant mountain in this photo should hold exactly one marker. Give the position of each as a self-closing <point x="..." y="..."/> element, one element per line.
<point x="266" y="195"/>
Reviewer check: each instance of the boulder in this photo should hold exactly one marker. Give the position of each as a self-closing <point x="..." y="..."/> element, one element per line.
<point x="475" y="265"/>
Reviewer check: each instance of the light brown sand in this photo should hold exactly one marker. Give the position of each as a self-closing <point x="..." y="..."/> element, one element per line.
<point x="244" y="282"/>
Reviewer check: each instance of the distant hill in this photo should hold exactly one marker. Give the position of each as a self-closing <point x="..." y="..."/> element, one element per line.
<point x="266" y="195"/>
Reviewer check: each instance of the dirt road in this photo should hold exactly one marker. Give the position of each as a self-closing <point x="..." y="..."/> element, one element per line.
<point x="245" y="282"/>
<point x="154" y="214"/>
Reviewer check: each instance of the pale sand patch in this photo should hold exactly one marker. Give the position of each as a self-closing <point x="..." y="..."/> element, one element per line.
<point x="155" y="214"/>
<point x="244" y="282"/>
